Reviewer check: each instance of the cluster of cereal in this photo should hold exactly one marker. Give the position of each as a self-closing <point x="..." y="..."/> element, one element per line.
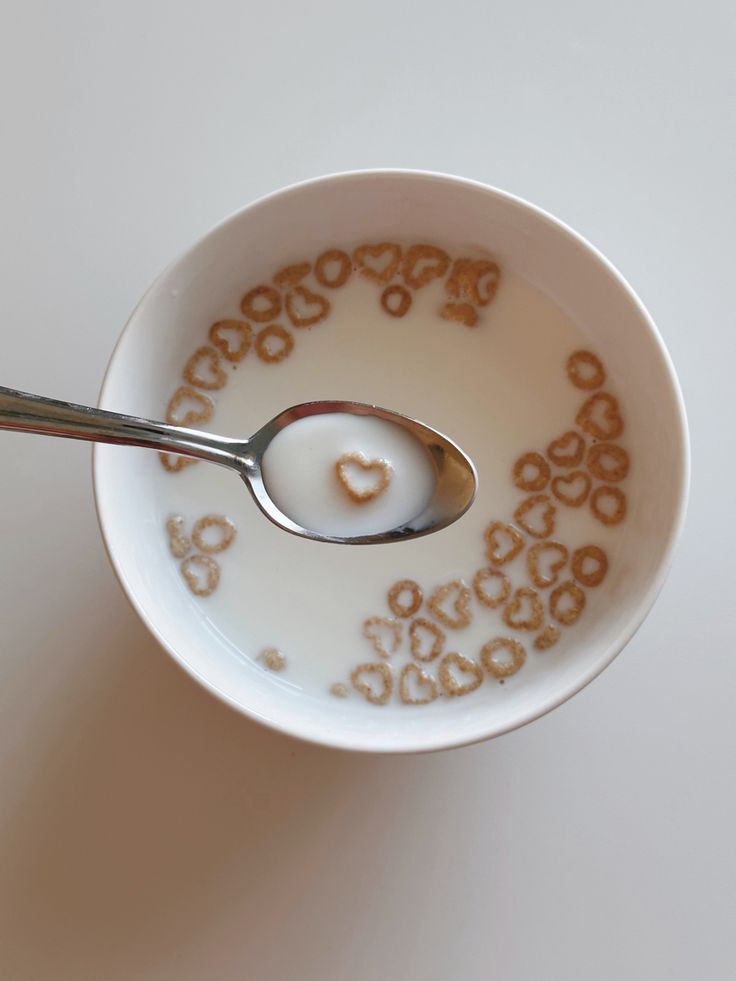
<point x="522" y="608"/>
<point x="470" y="284"/>
<point x="210" y="534"/>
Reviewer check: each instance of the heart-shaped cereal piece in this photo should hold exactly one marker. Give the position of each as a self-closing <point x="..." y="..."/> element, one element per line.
<point x="173" y="464"/>
<point x="571" y="489"/>
<point x="405" y="597"/>
<point x="567" y="450"/>
<point x="333" y="268"/>
<point x="426" y="639"/>
<point x="503" y="542"/>
<point x="305" y="308"/>
<point x="547" y="638"/>
<point x="460" y="313"/>
<point x="232" y="338"/>
<point x="204" y="370"/>
<point x="567" y="602"/>
<point x="607" y="461"/>
<point x="474" y="280"/>
<point x="544" y="560"/>
<point x="384" y="633"/>
<point x="525" y="611"/>
<point x="589" y="565"/>
<point x="585" y="370"/>
<point x="213" y="533"/>
<point x="291" y="275"/>
<point x="459" y="675"/>
<point x="502" y="657"/>
<point x="531" y="472"/>
<point x="450" y="604"/>
<point x="363" y="479"/>
<point x="373" y="680"/>
<point x="179" y="543"/>
<point x="378" y="262"/>
<point x="536" y="515"/>
<point x="416" y="687"/>
<point x="600" y="416"/>
<point x="202" y="574"/>
<point x="187" y="407"/>
<point x="501" y="587"/>
<point x="261" y="304"/>
<point x="423" y="263"/>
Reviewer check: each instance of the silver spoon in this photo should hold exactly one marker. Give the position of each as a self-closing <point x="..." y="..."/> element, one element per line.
<point x="455" y="476"/>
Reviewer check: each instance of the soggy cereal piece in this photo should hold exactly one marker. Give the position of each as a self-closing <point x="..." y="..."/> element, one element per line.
<point x="457" y="594"/>
<point x="384" y="633"/>
<point x="291" y="275"/>
<point x="553" y="555"/>
<point x="423" y="263"/>
<point x="198" y="408"/>
<point x="261" y="304"/>
<point x="375" y="681"/>
<point x="272" y="659"/>
<point x="548" y="638"/>
<point x="571" y="489"/>
<point x="606" y="461"/>
<point x="224" y="533"/>
<point x="567" y="602"/>
<point x="459" y="675"/>
<point x="525" y="611"/>
<point x="396" y="300"/>
<point x="460" y="313"/>
<point x="305" y="308"/>
<point x="179" y="544"/>
<point x="173" y="464"/>
<point x="585" y="370"/>
<point x="583" y="558"/>
<point x="502" y="657"/>
<point x="531" y="472"/>
<point x="232" y="338"/>
<point x="351" y="467"/>
<point x="202" y="574"/>
<point x="567" y="450"/>
<point x="536" y="515"/>
<point x="474" y="280"/>
<point x="333" y="268"/>
<point x="204" y="370"/>
<point x="416" y="687"/>
<point x="423" y="632"/>
<point x="502" y="587"/>
<point x="273" y="344"/>
<point x="608" y="504"/>
<point x="380" y="262"/>
<point x="600" y="416"/>
<point x="405" y="598"/>
<point x="503" y="542"/>
<point x="339" y="690"/>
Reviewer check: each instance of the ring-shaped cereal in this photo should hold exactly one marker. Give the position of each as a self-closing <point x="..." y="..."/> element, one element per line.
<point x="599" y="453"/>
<point x="225" y="526"/>
<point x="615" y="494"/>
<point x="570" y="615"/>
<point x="264" y="352"/>
<point x="405" y="609"/>
<point x="589" y="553"/>
<point x="328" y="258"/>
<point x="541" y="476"/>
<point x="260" y="314"/>
<point x="403" y="297"/>
<point x="578" y="363"/>
<point x="502" y="669"/>
<point x="492" y="601"/>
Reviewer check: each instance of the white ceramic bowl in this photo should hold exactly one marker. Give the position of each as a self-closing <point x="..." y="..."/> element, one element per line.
<point x="376" y="206"/>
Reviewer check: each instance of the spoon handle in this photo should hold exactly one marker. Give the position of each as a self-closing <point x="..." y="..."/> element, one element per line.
<point x="26" y="413"/>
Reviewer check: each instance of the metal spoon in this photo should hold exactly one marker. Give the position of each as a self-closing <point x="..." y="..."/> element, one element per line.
<point x="454" y="489"/>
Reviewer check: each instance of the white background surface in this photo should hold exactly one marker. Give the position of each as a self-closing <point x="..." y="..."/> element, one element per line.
<point x="146" y="831"/>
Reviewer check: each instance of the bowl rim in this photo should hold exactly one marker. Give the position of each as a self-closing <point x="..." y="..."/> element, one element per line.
<point x="330" y="738"/>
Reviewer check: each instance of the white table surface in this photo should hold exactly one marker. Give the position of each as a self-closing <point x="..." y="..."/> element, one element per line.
<point x="149" y="833"/>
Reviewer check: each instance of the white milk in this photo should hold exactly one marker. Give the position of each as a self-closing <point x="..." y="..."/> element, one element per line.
<point x="299" y="471"/>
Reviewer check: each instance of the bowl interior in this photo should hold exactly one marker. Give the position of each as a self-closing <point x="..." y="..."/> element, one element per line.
<point x="168" y="323"/>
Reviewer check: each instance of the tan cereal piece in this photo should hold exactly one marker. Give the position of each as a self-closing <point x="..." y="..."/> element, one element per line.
<point x="305" y="308"/>
<point x="396" y="300"/>
<point x="173" y="464"/>
<point x="481" y="577"/>
<point x="609" y="462"/>
<point x="339" y="690"/>
<point x="291" y="275"/>
<point x="502" y="669"/>
<point x="503" y="542"/>
<point x="204" y="370"/>
<point x="539" y="480"/>
<point x="191" y="416"/>
<point x="585" y="370"/>
<point x="269" y="354"/>
<point x="252" y="304"/>
<point x="466" y="668"/>
<point x="381" y="468"/>
<point x="537" y="506"/>
<point x="224" y="525"/>
<point x="538" y="577"/>
<point x="384" y="633"/>
<point x="415" y="640"/>
<point x="206" y="566"/>
<point x="567" y="450"/>
<point x="272" y="659"/>
<point x="386" y="256"/>
<point x="589" y="553"/>
<point x="574" y="592"/>
<point x="232" y="338"/>
<point x="548" y="637"/>
<point x="378" y="671"/>
<point x="425" y="687"/>
<point x="328" y="258"/>
<point x="609" y="516"/>
<point x="531" y="618"/>
<point x="458" y="594"/>
<point x="405" y="608"/>
<point x="461" y="313"/>
<point x="474" y="280"/>
<point x="600" y="416"/>
<point x="571" y="489"/>
<point x="179" y="543"/>
<point x="423" y="263"/>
